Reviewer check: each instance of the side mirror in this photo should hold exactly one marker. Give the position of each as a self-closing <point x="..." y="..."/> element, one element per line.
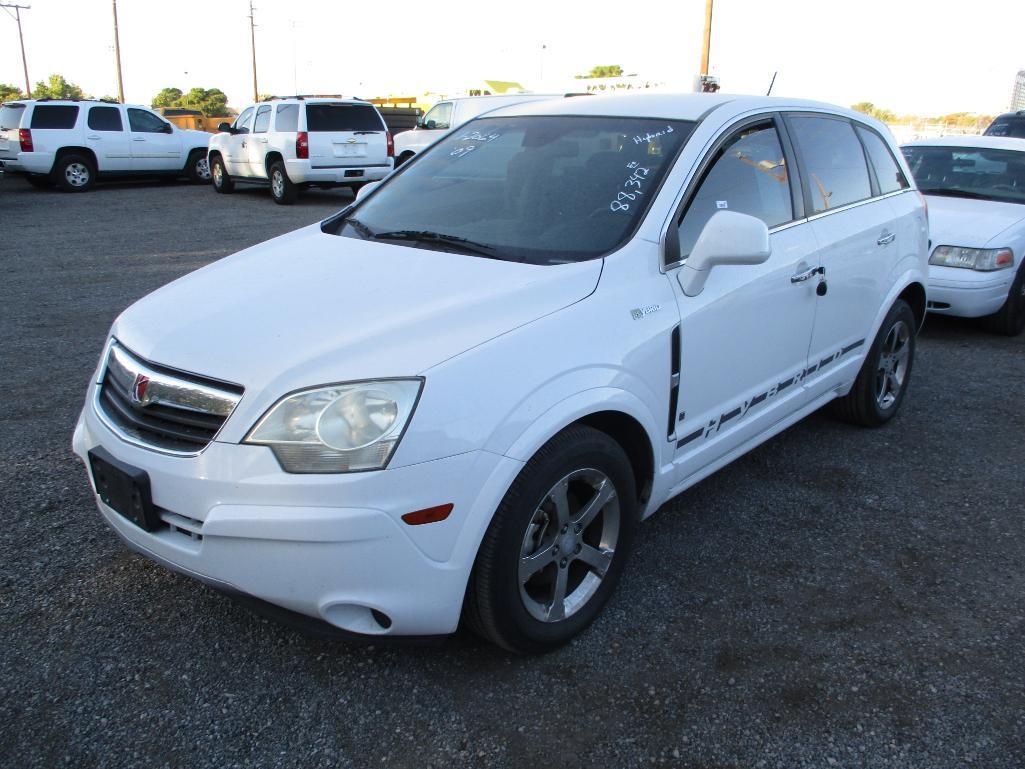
<point x="224" y="128"/>
<point x="167" y="129"/>
<point x="365" y="190"/>
<point x="420" y="122"/>
<point x="728" y="238"/>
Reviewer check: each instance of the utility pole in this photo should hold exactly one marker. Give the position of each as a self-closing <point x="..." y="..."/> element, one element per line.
<point x="252" y="40"/>
<point x="707" y="44"/>
<point x="21" y="39"/>
<point x="117" y="58"/>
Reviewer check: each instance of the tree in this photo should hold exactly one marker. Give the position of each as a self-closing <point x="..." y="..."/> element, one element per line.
<point x="210" y="102"/>
<point x="9" y="92"/>
<point x="603" y="70"/>
<point x="56" y="87"/>
<point x="870" y="109"/>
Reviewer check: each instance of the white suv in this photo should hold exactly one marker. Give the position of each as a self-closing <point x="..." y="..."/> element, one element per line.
<point x="302" y="142"/>
<point x="461" y="394"/>
<point x="73" y="143"/>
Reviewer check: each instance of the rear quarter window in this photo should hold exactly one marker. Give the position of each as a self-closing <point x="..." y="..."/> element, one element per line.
<point x="54" y="116"/>
<point x="342" y="117"/>
<point x="287" y="118"/>
<point x="888" y="173"/>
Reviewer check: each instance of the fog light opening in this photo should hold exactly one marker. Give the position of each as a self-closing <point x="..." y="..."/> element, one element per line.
<point x="381" y="618"/>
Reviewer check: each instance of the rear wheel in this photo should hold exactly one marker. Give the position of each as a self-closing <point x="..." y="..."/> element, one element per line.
<point x="883" y="380"/>
<point x="219" y="175"/>
<point x="356" y="188"/>
<point x="282" y="189"/>
<point x="404" y="157"/>
<point x="1010" y="319"/>
<point x="74" y="173"/>
<point x="556" y="546"/>
<point x="197" y="168"/>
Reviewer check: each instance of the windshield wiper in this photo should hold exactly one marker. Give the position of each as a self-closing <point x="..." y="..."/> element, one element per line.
<point x="952" y="193"/>
<point x="428" y="236"/>
<point x="362" y="229"/>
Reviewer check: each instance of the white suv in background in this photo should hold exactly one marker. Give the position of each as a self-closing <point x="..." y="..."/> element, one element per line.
<point x="460" y="395"/>
<point x="302" y="142"/>
<point x="72" y="143"/>
<point x="449" y="114"/>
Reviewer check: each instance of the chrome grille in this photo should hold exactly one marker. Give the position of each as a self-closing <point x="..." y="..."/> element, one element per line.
<point x="161" y="408"/>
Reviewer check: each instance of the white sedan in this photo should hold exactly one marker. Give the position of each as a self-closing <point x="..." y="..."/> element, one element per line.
<point x="975" y="188"/>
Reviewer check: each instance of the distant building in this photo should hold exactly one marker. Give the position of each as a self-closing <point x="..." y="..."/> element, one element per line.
<point x="1018" y="95"/>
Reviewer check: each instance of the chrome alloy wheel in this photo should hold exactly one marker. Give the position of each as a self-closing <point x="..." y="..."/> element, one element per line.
<point x="569" y="545"/>
<point x="218" y="174"/>
<point x="892" y="370"/>
<point x="277" y="184"/>
<point x="203" y="169"/>
<point x="77" y="174"/>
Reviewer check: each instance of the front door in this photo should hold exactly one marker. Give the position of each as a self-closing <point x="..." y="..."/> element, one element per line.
<point x="236" y="146"/>
<point x="744" y="339"/>
<point x="155" y="147"/>
<point x="107" y="138"/>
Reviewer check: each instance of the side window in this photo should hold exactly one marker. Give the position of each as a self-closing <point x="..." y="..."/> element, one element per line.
<point x="287" y="118"/>
<point x="242" y="122"/>
<point x="833" y="161"/>
<point x="888" y="173"/>
<point x="262" y="120"/>
<point x="749" y="176"/>
<point x="56" y="116"/>
<point x="440" y="116"/>
<point x="145" y="122"/>
<point x="105" y="119"/>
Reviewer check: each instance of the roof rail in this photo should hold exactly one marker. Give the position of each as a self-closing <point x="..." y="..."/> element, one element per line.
<point x="301" y="96"/>
<point x="50" y="98"/>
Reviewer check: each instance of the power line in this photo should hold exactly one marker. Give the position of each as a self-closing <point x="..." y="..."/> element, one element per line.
<point x="21" y="38"/>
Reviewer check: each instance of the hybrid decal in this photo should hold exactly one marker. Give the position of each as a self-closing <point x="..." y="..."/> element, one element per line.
<point x="639" y="312"/>
<point x="739" y="412"/>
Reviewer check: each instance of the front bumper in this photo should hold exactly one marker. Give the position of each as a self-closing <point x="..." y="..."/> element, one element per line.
<point x="966" y="293"/>
<point x="332" y="547"/>
<point x="307" y="172"/>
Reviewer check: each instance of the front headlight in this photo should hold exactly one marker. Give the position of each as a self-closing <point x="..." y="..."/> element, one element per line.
<point x="338" y="429"/>
<point x="982" y="259"/>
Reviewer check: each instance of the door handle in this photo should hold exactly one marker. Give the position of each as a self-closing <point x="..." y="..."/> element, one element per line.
<point x="886" y="239"/>
<point x="92" y="136"/>
<point x="138" y="139"/>
<point x="808" y="274"/>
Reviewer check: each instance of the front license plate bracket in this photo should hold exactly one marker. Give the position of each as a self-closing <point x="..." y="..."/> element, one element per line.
<point x="124" y="488"/>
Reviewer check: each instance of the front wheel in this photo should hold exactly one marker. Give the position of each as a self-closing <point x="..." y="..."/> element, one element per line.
<point x="1009" y="320"/>
<point x="282" y="189"/>
<point x="556" y="545"/>
<point x="197" y="168"/>
<point x="219" y="175"/>
<point x="883" y="380"/>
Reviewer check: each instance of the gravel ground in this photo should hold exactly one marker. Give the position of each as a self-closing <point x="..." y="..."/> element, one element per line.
<point x="838" y="597"/>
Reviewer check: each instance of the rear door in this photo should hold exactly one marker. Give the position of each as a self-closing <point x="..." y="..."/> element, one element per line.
<point x="856" y="234"/>
<point x="11" y="115"/>
<point x="344" y="135"/>
<point x="154" y="145"/>
<point x="107" y="137"/>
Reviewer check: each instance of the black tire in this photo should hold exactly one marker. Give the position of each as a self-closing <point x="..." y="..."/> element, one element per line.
<point x="197" y="168"/>
<point x="219" y="176"/>
<point x="403" y="158"/>
<point x="882" y="383"/>
<point x="40" y="182"/>
<point x="74" y="172"/>
<point x="282" y="189"/>
<point x="504" y="610"/>
<point x="1009" y="320"/>
<point x="356" y="188"/>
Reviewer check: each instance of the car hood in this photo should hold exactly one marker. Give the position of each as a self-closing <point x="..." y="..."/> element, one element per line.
<point x="196" y="137"/>
<point x="309" y="308"/>
<point x="972" y="223"/>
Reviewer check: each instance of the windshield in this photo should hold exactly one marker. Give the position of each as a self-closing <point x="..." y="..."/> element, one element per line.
<point x="1008" y="126"/>
<point x="537" y="189"/>
<point x="969" y="172"/>
<point x="10" y="116"/>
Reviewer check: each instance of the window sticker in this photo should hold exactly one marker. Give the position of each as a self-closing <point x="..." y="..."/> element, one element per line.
<point x="722" y="204"/>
